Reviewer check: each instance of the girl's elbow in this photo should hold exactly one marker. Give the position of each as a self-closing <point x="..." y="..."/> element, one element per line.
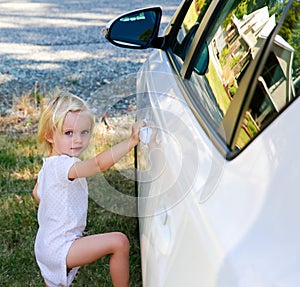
<point x="37" y="199"/>
<point x="34" y="193"/>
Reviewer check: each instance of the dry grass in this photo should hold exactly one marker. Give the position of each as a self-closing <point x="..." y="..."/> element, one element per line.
<point x="23" y="116"/>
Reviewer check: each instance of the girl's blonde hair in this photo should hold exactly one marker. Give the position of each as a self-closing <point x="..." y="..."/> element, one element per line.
<point x="54" y="114"/>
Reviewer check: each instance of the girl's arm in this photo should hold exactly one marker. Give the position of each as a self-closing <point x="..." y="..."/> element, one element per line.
<point x="34" y="192"/>
<point x="107" y="158"/>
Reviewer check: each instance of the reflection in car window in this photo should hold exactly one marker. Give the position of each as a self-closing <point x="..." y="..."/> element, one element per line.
<point x="279" y="83"/>
<point x="234" y="41"/>
<point x="189" y="27"/>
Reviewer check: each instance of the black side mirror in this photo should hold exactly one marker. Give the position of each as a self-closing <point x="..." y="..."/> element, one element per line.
<point x="182" y="49"/>
<point x="136" y="30"/>
<point x="202" y="63"/>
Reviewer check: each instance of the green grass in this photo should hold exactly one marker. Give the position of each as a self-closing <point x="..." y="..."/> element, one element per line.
<point x="19" y="164"/>
<point x="218" y="89"/>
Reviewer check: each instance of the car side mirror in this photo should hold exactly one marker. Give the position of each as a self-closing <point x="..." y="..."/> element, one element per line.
<point x="202" y="62"/>
<point x="181" y="50"/>
<point x="135" y="30"/>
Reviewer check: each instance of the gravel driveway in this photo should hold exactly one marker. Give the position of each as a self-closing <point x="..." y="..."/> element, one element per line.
<point x="49" y="43"/>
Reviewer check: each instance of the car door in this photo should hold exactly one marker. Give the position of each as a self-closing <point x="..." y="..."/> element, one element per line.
<point x="218" y="184"/>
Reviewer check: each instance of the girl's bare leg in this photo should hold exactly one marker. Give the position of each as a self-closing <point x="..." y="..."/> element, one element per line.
<point x="88" y="249"/>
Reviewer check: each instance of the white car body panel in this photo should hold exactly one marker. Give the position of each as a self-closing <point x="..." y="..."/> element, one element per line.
<point x="206" y="221"/>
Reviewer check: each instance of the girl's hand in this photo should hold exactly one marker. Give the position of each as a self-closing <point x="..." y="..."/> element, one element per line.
<point x="134" y="138"/>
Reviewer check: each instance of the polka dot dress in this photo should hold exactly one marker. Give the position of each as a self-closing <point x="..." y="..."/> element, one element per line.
<point x="61" y="217"/>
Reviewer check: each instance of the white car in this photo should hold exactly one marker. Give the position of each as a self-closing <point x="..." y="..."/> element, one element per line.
<point x="219" y="181"/>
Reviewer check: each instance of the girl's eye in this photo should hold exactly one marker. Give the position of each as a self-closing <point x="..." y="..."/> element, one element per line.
<point x="69" y="133"/>
<point x="85" y="132"/>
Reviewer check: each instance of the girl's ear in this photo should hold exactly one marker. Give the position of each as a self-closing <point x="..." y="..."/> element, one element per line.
<point x="49" y="138"/>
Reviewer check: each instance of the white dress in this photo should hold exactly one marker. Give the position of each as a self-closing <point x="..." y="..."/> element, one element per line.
<point x="61" y="217"/>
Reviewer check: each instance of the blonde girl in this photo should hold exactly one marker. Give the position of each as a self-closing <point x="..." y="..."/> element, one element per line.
<point x="65" y="129"/>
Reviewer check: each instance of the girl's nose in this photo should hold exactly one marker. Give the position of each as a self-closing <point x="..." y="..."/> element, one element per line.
<point x="77" y="138"/>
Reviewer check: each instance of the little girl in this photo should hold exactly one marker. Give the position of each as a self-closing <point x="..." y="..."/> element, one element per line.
<point x="65" y="129"/>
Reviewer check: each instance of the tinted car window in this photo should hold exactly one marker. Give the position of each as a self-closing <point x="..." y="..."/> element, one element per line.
<point x="234" y="40"/>
<point x="279" y="83"/>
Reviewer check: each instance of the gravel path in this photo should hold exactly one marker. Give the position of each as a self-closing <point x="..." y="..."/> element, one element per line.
<point x="58" y="43"/>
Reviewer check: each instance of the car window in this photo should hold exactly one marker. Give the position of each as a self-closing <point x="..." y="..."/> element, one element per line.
<point x="234" y="39"/>
<point x="279" y="83"/>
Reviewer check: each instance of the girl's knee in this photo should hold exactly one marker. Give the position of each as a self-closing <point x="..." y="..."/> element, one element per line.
<point x="121" y="242"/>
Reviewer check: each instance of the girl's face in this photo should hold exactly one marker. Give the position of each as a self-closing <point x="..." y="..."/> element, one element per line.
<point x="75" y="136"/>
